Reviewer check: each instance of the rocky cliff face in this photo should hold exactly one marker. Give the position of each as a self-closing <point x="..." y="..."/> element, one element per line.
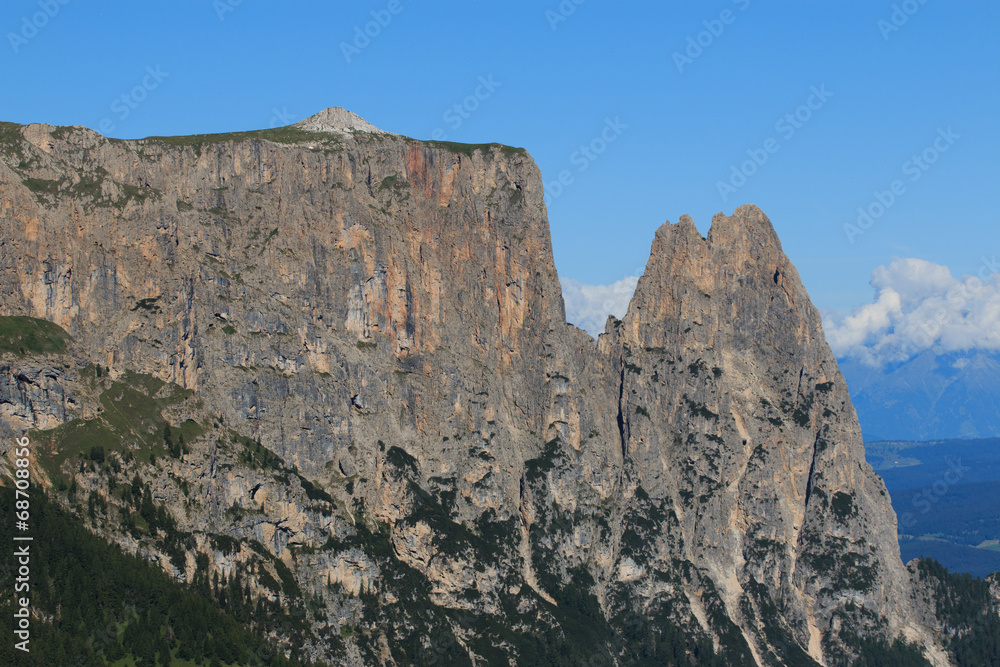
<point x="363" y="338"/>
<point x="733" y="408"/>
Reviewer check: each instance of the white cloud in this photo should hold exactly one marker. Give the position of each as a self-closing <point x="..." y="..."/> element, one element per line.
<point x="588" y="306"/>
<point x="913" y="279"/>
<point x="918" y="305"/>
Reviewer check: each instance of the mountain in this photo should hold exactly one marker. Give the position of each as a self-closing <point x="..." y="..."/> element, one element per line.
<point x="324" y="372"/>
<point x="933" y="395"/>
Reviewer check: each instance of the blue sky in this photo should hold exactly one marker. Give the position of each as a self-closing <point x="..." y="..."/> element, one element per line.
<point x="892" y="78"/>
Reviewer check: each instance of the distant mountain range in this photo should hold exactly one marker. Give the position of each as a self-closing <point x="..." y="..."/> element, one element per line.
<point x="931" y="396"/>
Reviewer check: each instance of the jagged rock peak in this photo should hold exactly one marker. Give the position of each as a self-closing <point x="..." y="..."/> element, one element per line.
<point x="742" y="240"/>
<point x="748" y="224"/>
<point x="740" y="250"/>
<point x="337" y="119"/>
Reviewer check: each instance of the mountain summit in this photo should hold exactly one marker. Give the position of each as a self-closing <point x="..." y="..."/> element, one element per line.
<point x="339" y="120"/>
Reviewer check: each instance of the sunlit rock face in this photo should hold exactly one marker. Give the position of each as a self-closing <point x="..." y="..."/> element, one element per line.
<point x="384" y="315"/>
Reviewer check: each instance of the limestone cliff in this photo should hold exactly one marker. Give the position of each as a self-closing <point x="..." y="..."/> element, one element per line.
<point x="363" y="338"/>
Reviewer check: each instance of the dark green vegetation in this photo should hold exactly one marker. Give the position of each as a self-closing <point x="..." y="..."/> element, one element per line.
<point x="90" y="186"/>
<point x="946" y="494"/>
<point x="469" y="149"/>
<point x="395" y="184"/>
<point x="130" y="434"/>
<point x="30" y="335"/>
<point x="700" y="409"/>
<point x="293" y="135"/>
<point x="401" y="459"/>
<point x="966" y="606"/>
<point x="842" y="505"/>
<point x="654" y="639"/>
<point x="421" y="632"/>
<point x="131" y="421"/>
<point x="757" y="603"/>
<point x="9" y="132"/>
<point x="576" y="630"/>
<point x="525" y="627"/>
<point x="641" y="524"/>
<point x="413" y="620"/>
<point x="843" y="561"/>
<point x="584" y="636"/>
<point x="880" y="653"/>
<point x="609" y="579"/>
<point x="43" y="188"/>
<point x="102" y="606"/>
<point x="256" y="456"/>
<point x="288" y="134"/>
<point x="571" y="633"/>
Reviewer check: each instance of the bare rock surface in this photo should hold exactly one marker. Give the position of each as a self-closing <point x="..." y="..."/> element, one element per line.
<point x="368" y="335"/>
<point x="337" y="119"/>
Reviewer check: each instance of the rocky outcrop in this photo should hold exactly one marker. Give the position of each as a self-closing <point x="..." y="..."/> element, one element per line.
<point x="384" y="315"/>
<point x="337" y="119"/>
<point x="39" y="394"/>
<point x="735" y="413"/>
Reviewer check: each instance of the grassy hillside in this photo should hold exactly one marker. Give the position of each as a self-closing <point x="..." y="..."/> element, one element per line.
<point x="30" y="335"/>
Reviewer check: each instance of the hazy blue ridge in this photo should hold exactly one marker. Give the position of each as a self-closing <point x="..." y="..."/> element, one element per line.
<point x="931" y="396"/>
